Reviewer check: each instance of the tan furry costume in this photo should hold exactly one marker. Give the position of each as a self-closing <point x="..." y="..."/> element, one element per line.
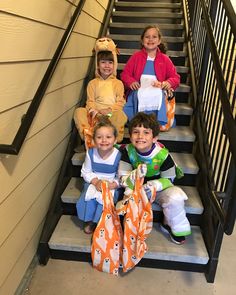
<point x="102" y="94"/>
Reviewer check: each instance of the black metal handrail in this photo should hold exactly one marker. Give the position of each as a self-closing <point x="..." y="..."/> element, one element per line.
<point x="28" y="118"/>
<point x="229" y="121"/>
<point x="212" y="55"/>
<point x="230" y="125"/>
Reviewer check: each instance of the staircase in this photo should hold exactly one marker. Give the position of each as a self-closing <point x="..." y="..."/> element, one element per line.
<point x="68" y="240"/>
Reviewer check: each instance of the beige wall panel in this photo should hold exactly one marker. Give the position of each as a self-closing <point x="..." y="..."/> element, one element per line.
<point x="10" y="122"/>
<point x="52" y="107"/>
<point x="43" y="11"/>
<point x="17" y="273"/>
<point x="69" y="71"/>
<point x="93" y="8"/>
<point x="13" y="169"/>
<point x="79" y="45"/>
<point x="92" y="25"/>
<point x="103" y="3"/>
<point x="75" y="2"/>
<point x="32" y="40"/>
<point x="14" y="246"/>
<point x="17" y="203"/>
<point x="56" y="104"/>
<point x="20" y="82"/>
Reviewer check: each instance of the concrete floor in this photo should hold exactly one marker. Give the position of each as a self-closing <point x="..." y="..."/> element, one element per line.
<point x="70" y="277"/>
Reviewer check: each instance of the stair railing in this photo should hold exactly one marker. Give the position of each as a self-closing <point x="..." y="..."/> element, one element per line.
<point x="212" y="33"/>
<point x="211" y="37"/>
<point x="28" y="118"/>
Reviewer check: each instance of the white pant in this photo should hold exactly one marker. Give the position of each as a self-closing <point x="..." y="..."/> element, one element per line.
<point x="172" y="201"/>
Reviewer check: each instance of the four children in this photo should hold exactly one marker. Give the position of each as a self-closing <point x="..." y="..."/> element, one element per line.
<point x="105" y="98"/>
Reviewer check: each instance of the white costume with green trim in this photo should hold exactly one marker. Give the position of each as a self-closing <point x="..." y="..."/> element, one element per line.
<point x="159" y="170"/>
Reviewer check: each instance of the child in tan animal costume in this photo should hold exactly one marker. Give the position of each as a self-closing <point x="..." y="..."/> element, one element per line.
<point x="105" y="93"/>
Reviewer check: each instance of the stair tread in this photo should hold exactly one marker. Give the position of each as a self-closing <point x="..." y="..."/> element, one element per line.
<point x="141" y="25"/>
<point x="186" y="161"/>
<point x="171" y="53"/>
<point x="183" y="109"/>
<point x="131" y="14"/>
<point x="192" y="206"/>
<point x="147" y="4"/>
<point x="69" y="236"/>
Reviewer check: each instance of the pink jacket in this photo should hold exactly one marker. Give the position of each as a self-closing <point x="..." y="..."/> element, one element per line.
<point x="164" y="69"/>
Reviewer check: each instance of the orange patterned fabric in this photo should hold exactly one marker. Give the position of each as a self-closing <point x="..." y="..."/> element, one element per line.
<point x="107" y="237"/>
<point x="170" y="112"/>
<point x="88" y="132"/>
<point x="138" y="223"/>
<point x="111" y="248"/>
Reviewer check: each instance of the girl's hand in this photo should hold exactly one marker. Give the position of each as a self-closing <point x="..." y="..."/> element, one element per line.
<point x="165" y="85"/>
<point x="112" y="185"/>
<point x="93" y="113"/>
<point x="157" y="84"/>
<point x="134" y="86"/>
<point x="98" y="185"/>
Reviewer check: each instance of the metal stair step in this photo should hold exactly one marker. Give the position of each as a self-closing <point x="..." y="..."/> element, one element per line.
<point x="141" y="25"/>
<point x="183" y="88"/>
<point x="171" y="53"/>
<point x="147" y="4"/>
<point x="186" y="161"/>
<point x="183" y="109"/>
<point x="69" y="236"/>
<point x="149" y="14"/>
<point x="192" y="206"/>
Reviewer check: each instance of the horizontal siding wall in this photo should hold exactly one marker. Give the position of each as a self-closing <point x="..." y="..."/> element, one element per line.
<point x="30" y="32"/>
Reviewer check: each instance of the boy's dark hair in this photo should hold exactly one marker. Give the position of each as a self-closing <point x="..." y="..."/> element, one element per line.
<point x="104" y="122"/>
<point x="146" y="121"/>
<point x="162" y="46"/>
<point x="105" y="55"/>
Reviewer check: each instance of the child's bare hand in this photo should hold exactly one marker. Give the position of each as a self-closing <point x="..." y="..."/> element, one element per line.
<point x="165" y="85"/>
<point x="98" y="185"/>
<point x="112" y="185"/>
<point x="134" y="86"/>
<point x="157" y="84"/>
<point x="93" y="113"/>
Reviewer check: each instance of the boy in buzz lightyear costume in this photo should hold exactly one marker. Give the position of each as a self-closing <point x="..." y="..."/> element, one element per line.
<point x="159" y="170"/>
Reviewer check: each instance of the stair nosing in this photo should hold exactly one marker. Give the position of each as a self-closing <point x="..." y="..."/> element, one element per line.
<point x="148" y="5"/>
<point x="143" y="25"/>
<point x="192" y="206"/>
<point x="69" y="236"/>
<point x="148" y="14"/>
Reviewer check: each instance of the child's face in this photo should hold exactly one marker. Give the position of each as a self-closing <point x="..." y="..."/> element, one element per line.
<point x="151" y="39"/>
<point x="105" y="68"/>
<point x="142" y="139"/>
<point x="104" y="139"/>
